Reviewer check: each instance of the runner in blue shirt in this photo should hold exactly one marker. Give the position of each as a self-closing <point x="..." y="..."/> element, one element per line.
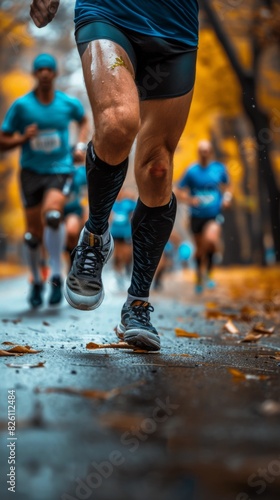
<point x="139" y="63"/>
<point x="205" y="188"/>
<point x="38" y="123"/>
<point x="75" y="211"/>
<point x="120" y="228"/>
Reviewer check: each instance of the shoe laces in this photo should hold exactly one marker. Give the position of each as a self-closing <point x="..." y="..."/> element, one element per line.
<point x="142" y="312"/>
<point x="88" y="258"/>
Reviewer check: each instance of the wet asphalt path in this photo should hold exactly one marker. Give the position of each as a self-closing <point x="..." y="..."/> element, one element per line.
<point x="179" y="426"/>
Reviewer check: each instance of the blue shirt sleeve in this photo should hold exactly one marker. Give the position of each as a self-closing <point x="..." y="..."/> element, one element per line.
<point x="224" y="175"/>
<point x="185" y="180"/>
<point x="11" y="122"/>
<point x="77" y="110"/>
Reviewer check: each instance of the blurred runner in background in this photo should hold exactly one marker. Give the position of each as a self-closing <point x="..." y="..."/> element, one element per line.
<point x="205" y="188"/>
<point x="38" y="124"/>
<point x="76" y="210"/>
<point x="120" y="227"/>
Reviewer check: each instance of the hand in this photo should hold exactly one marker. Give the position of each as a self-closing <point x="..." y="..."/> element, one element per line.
<point x="226" y="204"/>
<point x="195" y="201"/>
<point x="30" y="132"/>
<point x="42" y="12"/>
<point x="79" y="156"/>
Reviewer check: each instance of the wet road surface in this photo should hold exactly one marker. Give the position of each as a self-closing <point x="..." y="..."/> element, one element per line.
<point x="172" y="425"/>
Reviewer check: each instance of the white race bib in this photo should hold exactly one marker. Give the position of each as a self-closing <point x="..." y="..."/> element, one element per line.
<point x="46" y="141"/>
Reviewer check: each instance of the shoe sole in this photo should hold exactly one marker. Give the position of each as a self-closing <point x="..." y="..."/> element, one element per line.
<point x="120" y="331"/>
<point x="81" y="305"/>
<point x="142" y="339"/>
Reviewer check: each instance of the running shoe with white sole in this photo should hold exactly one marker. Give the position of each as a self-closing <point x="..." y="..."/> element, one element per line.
<point x="83" y="286"/>
<point x="136" y="328"/>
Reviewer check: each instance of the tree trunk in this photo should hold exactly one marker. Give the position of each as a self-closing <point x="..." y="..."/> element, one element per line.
<point x="260" y="124"/>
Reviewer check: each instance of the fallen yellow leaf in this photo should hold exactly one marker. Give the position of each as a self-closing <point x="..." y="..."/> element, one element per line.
<point x="246" y="376"/>
<point x="183" y="333"/>
<point x="252" y="337"/>
<point x="230" y="327"/>
<point x="259" y="327"/>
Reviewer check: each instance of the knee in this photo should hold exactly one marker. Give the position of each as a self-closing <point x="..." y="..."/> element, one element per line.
<point x="116" y="127"/>
<point x="160" y="165"/>
<point x="53" y="219"/>
<point x="31" y="240"/>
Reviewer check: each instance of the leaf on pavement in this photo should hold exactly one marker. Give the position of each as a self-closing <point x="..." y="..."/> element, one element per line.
<point x="237" y="374"/>
<point x="89" y="393"/>
<point x="23" y="349"/>
<point x="230" y="327"/>
<point x="216" y="314"/>
<point x="8" y="343"/>
<point x="18" y="350"/>
<point x="41" y="364"/>
<point x="7" y="353"/>
<point x="252" y="337"/>
<point x="180" y="332"/>
<point x="259" y="327"/>
<point x="247" y="313"/>
<point x="112" y="345"/>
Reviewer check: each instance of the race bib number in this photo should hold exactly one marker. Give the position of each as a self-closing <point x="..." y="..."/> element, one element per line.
<point x="46" y="141"/>
<point x="119" y="218"/>
<point x="208" y="198"/>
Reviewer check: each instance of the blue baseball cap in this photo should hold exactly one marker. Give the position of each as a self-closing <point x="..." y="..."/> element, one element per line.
<point x="44" y="61"/>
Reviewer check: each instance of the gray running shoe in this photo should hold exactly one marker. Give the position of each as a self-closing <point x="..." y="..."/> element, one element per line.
<point x="83" y="287"/>
<point x="135" y="327"/>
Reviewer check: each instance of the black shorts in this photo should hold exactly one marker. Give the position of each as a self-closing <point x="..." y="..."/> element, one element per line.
<point x="198" y="223"/>
<point x="34" y="186"/>
<point x="163" y="68"/>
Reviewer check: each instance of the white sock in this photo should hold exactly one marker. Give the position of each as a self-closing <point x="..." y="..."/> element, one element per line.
<point x="54" y="240"/>
<point x="33" y="256"/>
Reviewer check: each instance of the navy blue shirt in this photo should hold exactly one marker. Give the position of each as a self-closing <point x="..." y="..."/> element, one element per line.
<point x="204" y="183"/>
<point x="176" y="20"/>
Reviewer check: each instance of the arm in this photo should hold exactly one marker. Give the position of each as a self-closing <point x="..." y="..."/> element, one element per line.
<point x="183" y="195"/>
<point x="227" y="196"/>
<point x="42" y="12"/>
<point x="81" y="147"/>
<point x="11" y="140"/>
<point x="226" y="189"/>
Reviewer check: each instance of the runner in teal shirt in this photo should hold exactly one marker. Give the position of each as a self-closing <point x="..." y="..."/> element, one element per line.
<point x="38" y="123"/>
<point x="49" y="151"/>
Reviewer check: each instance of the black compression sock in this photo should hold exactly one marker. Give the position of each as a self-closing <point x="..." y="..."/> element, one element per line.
<point x="104" y="184"/>
<point x="210" y="256"/>
<point x="151" y="228"/>
<point x="198" y="268"/>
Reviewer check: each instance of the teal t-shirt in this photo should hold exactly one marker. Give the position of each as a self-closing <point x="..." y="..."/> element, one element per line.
<point x="205" y="183"/>
<point x="49" y="152"/>
<point x="120" y="225"/>
<point x="176" y="20"/>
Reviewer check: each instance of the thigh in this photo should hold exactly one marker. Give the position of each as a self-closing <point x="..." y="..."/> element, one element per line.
<point x="54" y="199"/>
<point x="109" y="77"/>
<point x="212" y="232"/>
<point x="73" y="224"/>
<point x="32" y="188"/>
<point x="33" y="218"/>
<point x="162" y="124"/>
